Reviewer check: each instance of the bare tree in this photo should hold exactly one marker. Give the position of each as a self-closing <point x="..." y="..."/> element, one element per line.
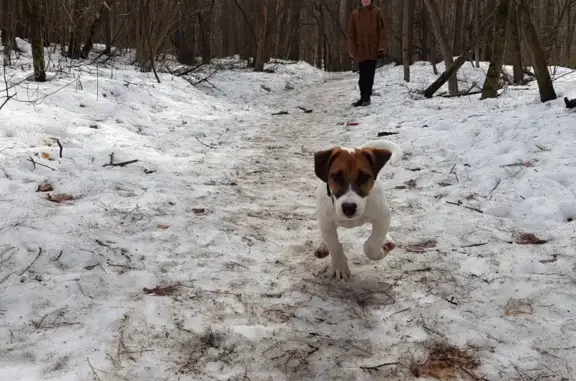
<point x="545" y="86"/>
<point x="407" y="37"/>
<point x="443" y="41"/>
<point x="501" y="22"/>
<point x="261" y="43"/>
<point x="33" y="9"/>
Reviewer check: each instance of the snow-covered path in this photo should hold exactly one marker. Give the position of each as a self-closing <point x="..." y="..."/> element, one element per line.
<point x="228" y="218"/>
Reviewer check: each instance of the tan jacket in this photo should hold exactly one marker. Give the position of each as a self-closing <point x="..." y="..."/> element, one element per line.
<point x="366" y="33"/>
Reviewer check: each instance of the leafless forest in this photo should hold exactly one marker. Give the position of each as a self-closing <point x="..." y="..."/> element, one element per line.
<point x="538" y="33"/>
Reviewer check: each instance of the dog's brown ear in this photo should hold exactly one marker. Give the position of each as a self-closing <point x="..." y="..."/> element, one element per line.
<point x="322" y="162"/>
<point x="378" y="158"/>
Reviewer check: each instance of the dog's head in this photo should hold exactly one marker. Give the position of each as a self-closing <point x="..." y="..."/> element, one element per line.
<point x="350" y="175"/>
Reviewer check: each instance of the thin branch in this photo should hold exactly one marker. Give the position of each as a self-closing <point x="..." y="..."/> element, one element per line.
<point x="34" y="261"/>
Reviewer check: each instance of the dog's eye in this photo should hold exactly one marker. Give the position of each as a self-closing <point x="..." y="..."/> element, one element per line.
<point x="363" y="178"/>
<point x="338" y="177"/>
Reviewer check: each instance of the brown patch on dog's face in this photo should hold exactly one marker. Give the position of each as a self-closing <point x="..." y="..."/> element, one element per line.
<point x="344" y="170"/>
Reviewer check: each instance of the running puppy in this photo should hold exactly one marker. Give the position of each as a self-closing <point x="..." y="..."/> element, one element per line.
<point x="351" y="196"/>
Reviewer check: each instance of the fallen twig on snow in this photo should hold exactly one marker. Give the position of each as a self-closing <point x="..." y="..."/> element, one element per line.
<point x="34" y="261"/>
<point x="93" y="370"/>
<point x="204" y="144"/>
<point x="387" y="133"/>
<point x="60" y="146"/>
<point x="59" y="255"/>
<point x="464" y="206"/>
<point x="376" y="367"/>
<point x="306" y="110"/>
<point x="6" y="277"/>
<point x="40" y="164"/>
<point x="281" y="113"/>
<point x="121" y="164"/>
<point x="453" y="172"/>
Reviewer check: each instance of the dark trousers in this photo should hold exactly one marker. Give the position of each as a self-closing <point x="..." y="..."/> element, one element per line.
<point x="367" y="70"/>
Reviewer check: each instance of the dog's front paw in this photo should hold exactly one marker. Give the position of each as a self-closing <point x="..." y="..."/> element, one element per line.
<point x="339" y="270"/>
<point x="377" y="252"/>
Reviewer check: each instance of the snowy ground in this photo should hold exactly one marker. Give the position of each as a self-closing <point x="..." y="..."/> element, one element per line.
<point x="220" y="205"/>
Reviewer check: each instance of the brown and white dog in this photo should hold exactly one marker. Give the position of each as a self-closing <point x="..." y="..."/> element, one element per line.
<point x="351" y="196"/>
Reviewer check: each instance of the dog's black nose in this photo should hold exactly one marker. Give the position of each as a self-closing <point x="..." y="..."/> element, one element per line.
<point x="349" y="209"/>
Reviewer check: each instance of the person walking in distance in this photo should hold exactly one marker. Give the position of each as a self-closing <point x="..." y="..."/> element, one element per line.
<point x="367" y="39"/>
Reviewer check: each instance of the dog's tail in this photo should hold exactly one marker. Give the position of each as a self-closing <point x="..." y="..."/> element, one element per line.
<point x="397" y="152"/>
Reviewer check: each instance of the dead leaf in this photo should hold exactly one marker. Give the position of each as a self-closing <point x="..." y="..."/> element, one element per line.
<point x="161" y="290"/>
<point x="60" y="197"/>
<point x="45" y="188"/>
<point x="198" y="211"/>
<point x="529" y="239"/>
<point x="421" y="247"/>
<point x="446" y="362"/>
<point x="163" y="227"/>
<point x="46" y="156"/>
<point x="411" y="183"/>
<point x="551" y="260"/>
<point x="516" y="307"/>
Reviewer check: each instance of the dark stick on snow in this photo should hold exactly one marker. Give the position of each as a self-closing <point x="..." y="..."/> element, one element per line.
<point x="452" y="172"/>
<point x="34" y="261"/>
<point x="387" y="133"/>
<point x="475" y="245"/>
<point x="111" y="158"/>
<point x="40" y="164"/>
<point x="376" y="367"/>
<point x="60" y="146"/>
<point x="59" y="255"/>
<point x="464" y="206"/>
<point x="204" y="144"/>
<point x="306" y="110"/>
<point x="281" y="113"/>
<point x="122" y="164"/>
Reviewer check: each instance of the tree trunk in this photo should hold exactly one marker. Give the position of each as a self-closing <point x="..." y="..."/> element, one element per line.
<point x="407" y="37"/>
<point x="74" y="42"/>
<point x="477" y="7"/>
<point x="501" y="21"/>
<point x="515" y="47"/>
<point x="294" y="30"/>
<point x="458" y="22"/>
<point x="7" y="31"/>
<point x="444" y="45"/>
<point x="205" y="23"/>
<point x="570" y="31"/>
<point x="107" y="19"/>
<point x="425" y="41"/>
<point x="184" y="36"/>
<point x="33" y="9"/>
<point x="89" y="45"/>
<point x="261" y="43"/>
<point x="545" y="85"/>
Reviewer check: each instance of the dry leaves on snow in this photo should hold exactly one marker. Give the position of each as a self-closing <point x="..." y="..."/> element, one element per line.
<point x="59" y="197"/>
<point x="163" y="227"/>
<point x="46" y="156"/>
<point x="161" y="290"/>
<point x="45" y="188"/>
<point x="421" y="247"/>
<point x="528" y="239"/>
<point x="446" y="362"/>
